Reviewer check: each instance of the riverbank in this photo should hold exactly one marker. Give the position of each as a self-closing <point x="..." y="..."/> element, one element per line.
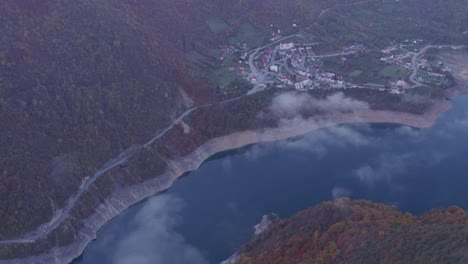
<point x="124" y="198"/>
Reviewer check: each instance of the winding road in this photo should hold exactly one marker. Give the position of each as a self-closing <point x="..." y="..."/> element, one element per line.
<point x="262" y="76"/>
<point x="117" y="161"/>
<point x="123" y="157"/>
<point x="414" y="60"/>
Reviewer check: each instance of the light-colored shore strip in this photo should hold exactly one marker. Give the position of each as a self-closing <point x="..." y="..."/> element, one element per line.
<point x="124" y="198"/>
<point x="46" y="228"/>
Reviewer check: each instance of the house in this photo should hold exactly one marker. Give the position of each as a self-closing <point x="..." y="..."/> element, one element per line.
<point x="244" y="55"/>
<point x="402" y="84"/>
<point x="303" y="73"/>
<point x="286" y="46"/>
<point x="303" y="85"/>
<point x="301" y="50"/>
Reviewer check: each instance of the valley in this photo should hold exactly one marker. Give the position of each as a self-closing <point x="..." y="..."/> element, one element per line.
<point x="93" y="107"/>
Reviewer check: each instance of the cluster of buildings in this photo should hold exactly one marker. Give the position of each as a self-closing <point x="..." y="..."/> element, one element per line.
<point x="399" y="59"/>
<point x="265" y="58"/>
<point x="354" y="49"/>
<point x="398" y="86"/>
<point x="302" y="80"/>
<point x="296" y="49"/>
<point x="429" y="71"/>
<point x="418" y="41"/>
<point x="232" y="50"/>
<point x="293" y="65"/>
<point x="227" y="50"/>
<point x="324" y="80"/>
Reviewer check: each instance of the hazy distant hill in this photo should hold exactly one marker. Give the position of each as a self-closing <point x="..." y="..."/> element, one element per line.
<point x="362" y="232"/>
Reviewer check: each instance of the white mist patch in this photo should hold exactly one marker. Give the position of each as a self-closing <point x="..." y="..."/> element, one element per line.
<point x="290" y="105"/>
<point x="390" y="165"/>
<point x="383" y="169"/>
<point x="316" y="143"/>
<point x="152" y="239"/>
<point x="340" y="192"/>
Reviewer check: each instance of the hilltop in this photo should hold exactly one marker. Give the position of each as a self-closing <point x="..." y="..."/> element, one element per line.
<point x="348" y="231"/>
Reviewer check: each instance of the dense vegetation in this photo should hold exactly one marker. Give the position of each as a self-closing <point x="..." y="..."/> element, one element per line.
<point x="347" y="231"/>
<point x="378" y="23"/>
<point x="80" y="82"/>
<point x="83" y="80"/>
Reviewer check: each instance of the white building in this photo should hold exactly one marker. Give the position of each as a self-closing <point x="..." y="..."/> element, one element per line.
<point x="274" y="68"/>
<point x="286" y="46"/>
<point x="303" y="85"/>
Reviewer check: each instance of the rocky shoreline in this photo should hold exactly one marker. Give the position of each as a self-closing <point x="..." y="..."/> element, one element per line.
<point x="124" y="198"/>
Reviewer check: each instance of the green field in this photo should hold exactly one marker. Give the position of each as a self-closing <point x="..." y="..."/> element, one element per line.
<point x="355" y="73"/>
<point x="362" y="69"/>
<point x="223" y="77"/>
<point x="196" y="58"/>
<point x="217" y="25"/>
<point x="393" y="72"/>
<point x="247" y="34"/>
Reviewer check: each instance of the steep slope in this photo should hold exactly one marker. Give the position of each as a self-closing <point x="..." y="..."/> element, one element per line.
<point x="81" y="81"/>
<point x="347" y="231"/>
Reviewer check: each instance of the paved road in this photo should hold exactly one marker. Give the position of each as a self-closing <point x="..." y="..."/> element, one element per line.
<point x="262" y="76"/>
<point x="414" y="60"/>
<point x="123" y="157"/>
<point x="117" y="161"/>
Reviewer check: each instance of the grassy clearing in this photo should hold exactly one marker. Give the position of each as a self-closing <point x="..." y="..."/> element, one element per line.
<point x="215" y="53"/>
<point x="355" y="73"/>
<point x="217" y="25"/>
<point x="223" y="77"/>
<point x="247" y="34"/>
<point x="393" y="72"/>
<point x="196" y="58"/>
<point x="362" y="69"/>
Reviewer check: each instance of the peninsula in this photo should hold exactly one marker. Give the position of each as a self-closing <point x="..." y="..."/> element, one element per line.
<point x="346" y="231"/>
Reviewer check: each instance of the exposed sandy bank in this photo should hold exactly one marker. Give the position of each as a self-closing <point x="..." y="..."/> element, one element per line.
<point x="124" y="198"/>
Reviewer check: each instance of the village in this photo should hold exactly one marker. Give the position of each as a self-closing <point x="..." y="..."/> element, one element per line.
<point x="296" y="65"/>
<point x="426" y="69"/>
<point x="286" y="63"/>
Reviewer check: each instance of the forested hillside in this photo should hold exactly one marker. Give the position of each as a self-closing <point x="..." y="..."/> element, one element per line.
<point x="81" y="81"/>
<point x="347" y="231"/>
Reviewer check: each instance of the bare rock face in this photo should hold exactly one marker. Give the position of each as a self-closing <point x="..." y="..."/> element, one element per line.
<point x="232" y="260"/>
<point x="266" y="222"/>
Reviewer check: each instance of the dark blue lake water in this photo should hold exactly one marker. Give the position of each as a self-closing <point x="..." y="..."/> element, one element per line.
<point x="208" y="214"/>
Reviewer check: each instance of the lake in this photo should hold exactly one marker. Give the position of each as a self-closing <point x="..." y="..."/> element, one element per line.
<point x="209" y="213"/>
